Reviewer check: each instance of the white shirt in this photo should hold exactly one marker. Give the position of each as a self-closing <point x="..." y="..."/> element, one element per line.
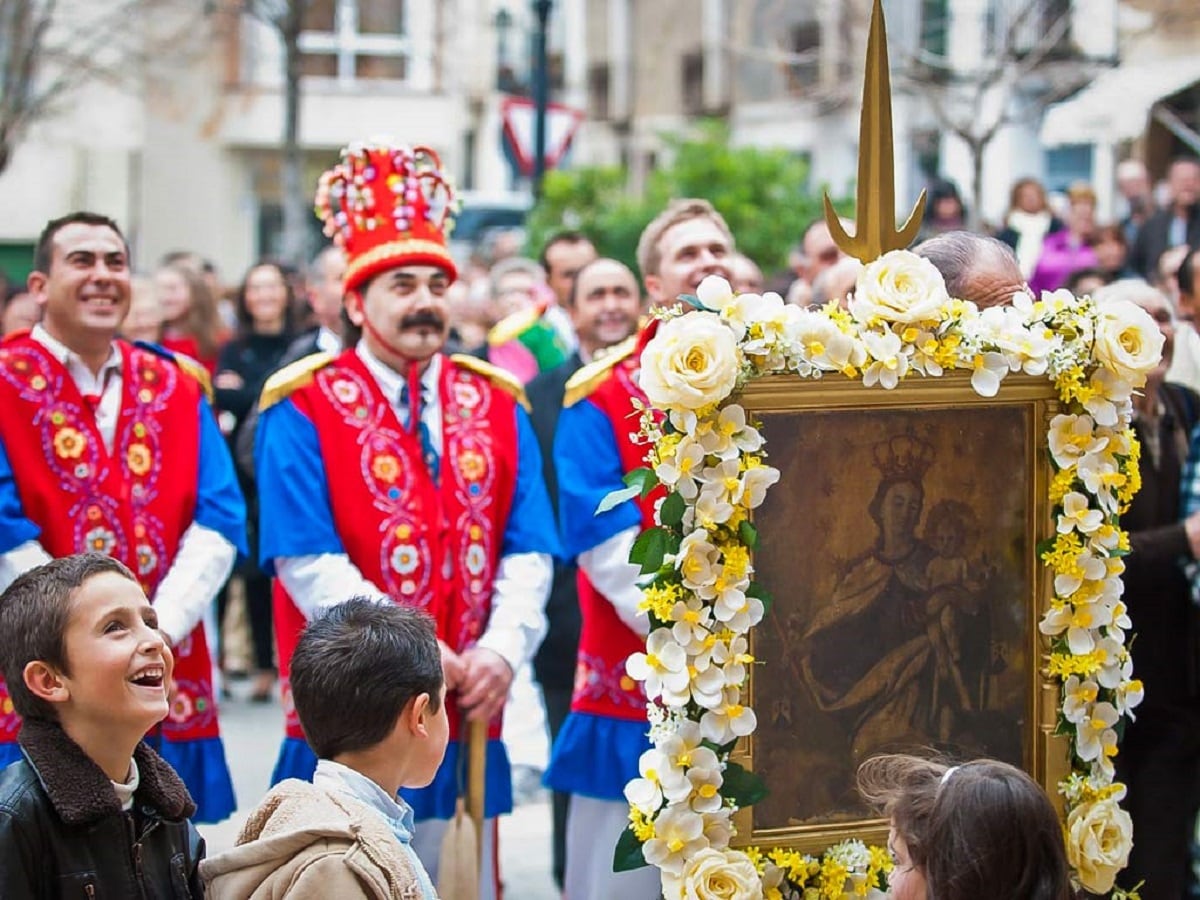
<point x="106" y="384"/>
<point x="518" y="620"/>
<point x="204" y="559"/>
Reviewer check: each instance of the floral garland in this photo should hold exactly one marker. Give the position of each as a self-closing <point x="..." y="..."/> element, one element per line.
<point x="709" y="460"/>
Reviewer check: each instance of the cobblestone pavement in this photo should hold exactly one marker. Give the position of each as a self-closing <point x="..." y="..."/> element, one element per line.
<point x="252" y="732"/>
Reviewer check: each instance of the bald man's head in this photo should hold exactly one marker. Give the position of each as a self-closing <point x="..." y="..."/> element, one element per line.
<point x="976" y="268"/>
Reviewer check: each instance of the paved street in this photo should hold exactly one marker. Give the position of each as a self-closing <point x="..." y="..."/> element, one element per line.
<point x="252" y="732"/>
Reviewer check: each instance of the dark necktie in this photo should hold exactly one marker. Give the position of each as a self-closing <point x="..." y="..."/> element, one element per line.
<point x="416" y="425"/>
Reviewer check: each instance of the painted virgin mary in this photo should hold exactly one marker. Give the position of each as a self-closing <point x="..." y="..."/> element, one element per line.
<point x="868" y="657"/>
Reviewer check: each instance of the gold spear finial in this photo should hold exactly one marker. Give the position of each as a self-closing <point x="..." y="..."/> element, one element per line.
<point x="875" y="208"/>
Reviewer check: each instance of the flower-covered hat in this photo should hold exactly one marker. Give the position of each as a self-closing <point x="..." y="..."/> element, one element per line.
<point x="387" y="205"/>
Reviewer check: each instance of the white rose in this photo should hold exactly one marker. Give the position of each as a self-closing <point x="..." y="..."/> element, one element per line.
<point x="691" y="363"/>
<point x="899" y="287"/>
<point x="718" y="875"/>
<point x="1128" y="342"/>
<point x="1099" y="838"/>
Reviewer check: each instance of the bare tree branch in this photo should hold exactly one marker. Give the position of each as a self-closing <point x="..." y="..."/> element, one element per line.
<point x="48" y="50"/>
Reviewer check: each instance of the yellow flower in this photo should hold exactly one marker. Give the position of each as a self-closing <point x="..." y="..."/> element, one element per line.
<point x="69" y="443"/>
<point x="1064" y="665"/>
<point x="1061" y="484"/>
<point x="138" y="458"/>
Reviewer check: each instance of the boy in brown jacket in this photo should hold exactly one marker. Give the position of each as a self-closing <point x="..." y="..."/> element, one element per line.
<point x="368" y="687"/>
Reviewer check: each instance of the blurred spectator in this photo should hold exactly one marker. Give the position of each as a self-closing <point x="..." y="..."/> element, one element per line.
<point x="564" y="254"/>
<point x="813" y="255"/>
<point x="944" y="211"/>
<point x="504" y="243"/>
<point x="470" y="319"/>
<point x="1068" y="250"/>
<point x="1133" y="183"/>
<point x="1185" y="368"/>
<point x="190" y="322"/>
<point x="144" y="321"/>
<point x="1112" y="252"/>
<point x="1085" y="282"/>
<point x="324" y="293"/>
<point x="836" y="283"/>
<point x="975" y="267"/>
<point x="207" y="270"/>
<point x="21" y="312"/>
<point x="1167" y="276"/>
<point x="1177" y="224"/>
<point x="523" y="341"/>
<point x="1028" y="222"/>
<point x="266" y="309"/>
<point x="1159" y="760"/>
<point x="747" y="276"/>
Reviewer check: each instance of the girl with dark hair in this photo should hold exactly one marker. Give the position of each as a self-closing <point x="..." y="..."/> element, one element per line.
<point x="190" y="323"/>
<point x="265" y="307"/>
<point x="983" y="830"/>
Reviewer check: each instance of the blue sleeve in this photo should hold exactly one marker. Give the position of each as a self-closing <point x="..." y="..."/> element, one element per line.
<point x="530" y="526"/>
<point x="219" y="502"/>
<point x="15" y="529"/>
<point x="589" y="468"/>
<point x="295" y="515"/>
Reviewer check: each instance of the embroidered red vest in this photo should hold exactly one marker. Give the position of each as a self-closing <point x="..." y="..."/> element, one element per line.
<point x="424" y="544"/>
<point x="602" y="686"/>
<point x="133" y="504"/>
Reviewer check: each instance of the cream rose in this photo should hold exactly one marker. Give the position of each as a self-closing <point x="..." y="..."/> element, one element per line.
<point x="691" y="363"/>
<point x="899" y="287"/>
<point x="717" y="875"/>
<point x="1099" y="838"/>
<point x="1128" y="342"/>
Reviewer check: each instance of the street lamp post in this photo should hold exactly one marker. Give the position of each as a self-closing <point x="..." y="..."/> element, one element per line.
<point x="541" y="9"/>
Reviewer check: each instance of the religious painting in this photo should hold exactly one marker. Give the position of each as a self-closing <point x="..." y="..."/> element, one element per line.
<point x="902" y="561"/>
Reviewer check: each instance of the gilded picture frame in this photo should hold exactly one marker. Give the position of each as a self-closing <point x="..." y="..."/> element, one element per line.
<point x="901" y="552"/>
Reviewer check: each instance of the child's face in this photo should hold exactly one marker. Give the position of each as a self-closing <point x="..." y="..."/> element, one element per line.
<point x="120" y="666"/>
<point x="906" y="882"/>
<point x="433" y="748"/>
<point x="947" y="541"/>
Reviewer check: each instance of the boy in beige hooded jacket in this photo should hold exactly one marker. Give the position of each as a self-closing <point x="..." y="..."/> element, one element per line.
<point x="368" y="687"/>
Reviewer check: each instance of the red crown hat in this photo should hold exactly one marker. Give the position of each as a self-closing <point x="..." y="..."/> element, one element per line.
<point x="387" y="206"/>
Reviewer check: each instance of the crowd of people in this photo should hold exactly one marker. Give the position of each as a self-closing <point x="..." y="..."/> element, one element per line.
<point x="386" y="428"/>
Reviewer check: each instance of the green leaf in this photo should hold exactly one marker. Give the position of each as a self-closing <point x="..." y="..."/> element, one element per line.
<point x="628" y="853"/>
<point x="672" y="510"/>
<point x="656" y="549"/>
<point x="748" y="535"/>
<point x="613" y="499"/>
<point x="743" y="787"/>
<point x="641" y="545"/>
<point x="643" y="479"/>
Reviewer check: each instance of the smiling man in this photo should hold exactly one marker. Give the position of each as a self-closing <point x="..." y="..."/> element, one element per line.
<point x="86" y="464"/>
<point x="399" y="473"/>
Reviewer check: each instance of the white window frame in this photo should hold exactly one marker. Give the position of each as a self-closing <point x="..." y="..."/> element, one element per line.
<point x="346" y="44"/>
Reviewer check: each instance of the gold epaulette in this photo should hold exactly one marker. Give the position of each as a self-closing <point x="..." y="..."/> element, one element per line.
<point x="196" y="369"/>
<point x="291" y="378"/>
<point x="587" y="379"/>
<point x="513" y="326"/>
<point x="497" y="376"/>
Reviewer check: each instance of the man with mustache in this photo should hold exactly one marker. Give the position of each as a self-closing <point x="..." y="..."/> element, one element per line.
<point x="596" y="753"/>
<point x="112" y="447"/>
<point x="399" y="473"/>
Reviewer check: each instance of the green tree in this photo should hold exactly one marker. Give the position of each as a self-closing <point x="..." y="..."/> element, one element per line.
<point x="764" y="195"/>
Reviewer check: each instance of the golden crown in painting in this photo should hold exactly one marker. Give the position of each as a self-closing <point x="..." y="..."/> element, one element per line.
<point x="904" y="456"/>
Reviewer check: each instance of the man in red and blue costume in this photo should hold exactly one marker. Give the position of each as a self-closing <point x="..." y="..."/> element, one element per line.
<point x="597" y="750"/>
<point x="394" y="471"/>
<point x="113" y="448"/>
